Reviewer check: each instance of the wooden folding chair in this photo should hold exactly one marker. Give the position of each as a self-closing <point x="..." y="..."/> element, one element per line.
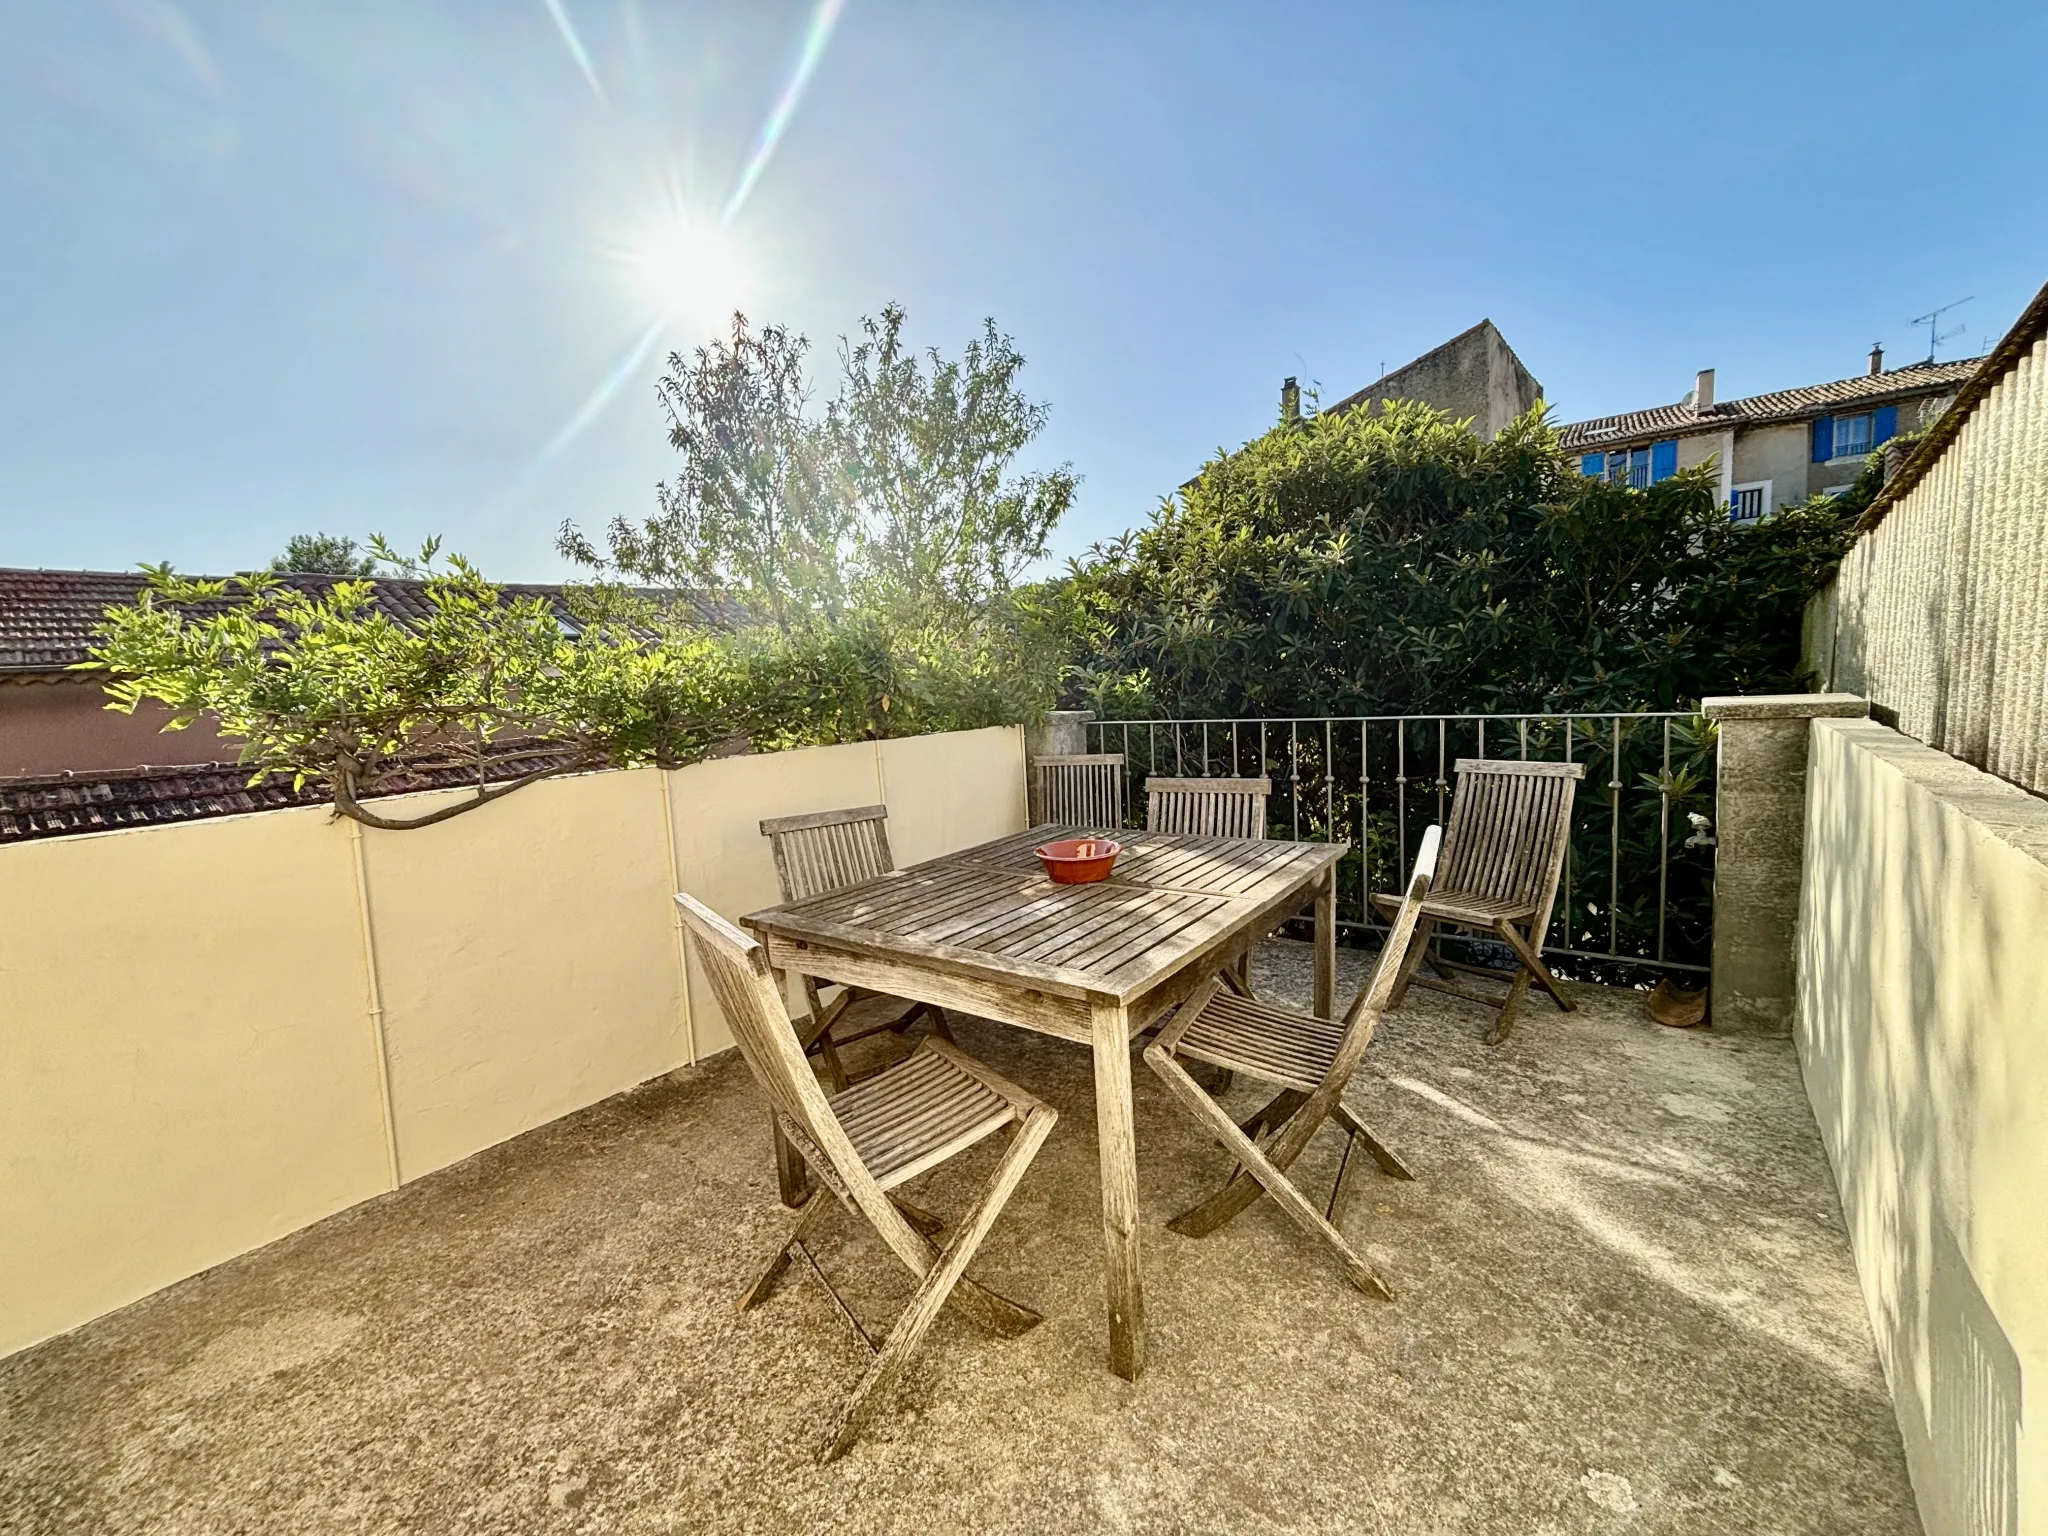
<point x="828" y="851"/>
<point x="1207" y="807"/>
<point x="1080" y="791"/>
<point x="1211" y="808"/>
<point x="1310" y="1060"/>
<point x="866" y="1141"/>
<point x="1503" y="852"/>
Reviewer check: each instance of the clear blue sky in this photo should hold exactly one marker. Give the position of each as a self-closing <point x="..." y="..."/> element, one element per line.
<point x="268" y="269"/>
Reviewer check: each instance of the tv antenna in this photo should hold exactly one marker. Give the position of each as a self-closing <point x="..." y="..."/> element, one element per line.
<point x="1935" y="334"/>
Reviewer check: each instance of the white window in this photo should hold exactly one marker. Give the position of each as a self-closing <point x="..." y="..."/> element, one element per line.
<point x="1852" y="436"/>
<point x="1749" y="503"/>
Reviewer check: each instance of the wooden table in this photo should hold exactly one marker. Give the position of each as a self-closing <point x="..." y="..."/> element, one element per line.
<point x="984" y="931"/>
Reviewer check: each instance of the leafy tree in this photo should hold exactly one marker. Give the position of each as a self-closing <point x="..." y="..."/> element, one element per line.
<point x="1396" y="564"/>
<point x="1390" y="563"/>
<point x="898" y="497"/>
<point x="323" y="686"/>
<point x="867" y="553"/>
<point x="324" y="554"/>
<point x="921" y="450"/>
<point x="751" y="515"/>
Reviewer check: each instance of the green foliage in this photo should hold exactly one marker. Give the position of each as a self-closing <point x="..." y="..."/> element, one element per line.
<point x="325" y="554"/>
<point x="868" y="553"/>
<point x="896" y="500"/>
<point x="1394" y="563"/>
<point x="324" y="687"/>
<point x="920" y="450"/>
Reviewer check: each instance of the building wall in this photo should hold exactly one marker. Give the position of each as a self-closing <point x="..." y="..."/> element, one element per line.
<point x="1475" y="375"/>
<point x="54" y="727"/>
<point x="1511" y="389"/>
<point x="215" y="1033"/>
<point x="1778" y="454"/>
<point x="1939" y="614"/>
<point x="1718" y="446"/>
<point x="1920" y="1033"/>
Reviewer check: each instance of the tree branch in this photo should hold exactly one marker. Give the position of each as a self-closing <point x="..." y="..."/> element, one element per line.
<point x="346" y="804"/>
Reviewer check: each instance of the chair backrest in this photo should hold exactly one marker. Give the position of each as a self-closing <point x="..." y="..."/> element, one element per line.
<point x="747" y="993"/>
<point x="1081" y="791"/>
<point x="1363" y="1017"/>
<point x="1207" y="807"/>
<point x="1510" y="823"/>
<point x="828" y="850"/>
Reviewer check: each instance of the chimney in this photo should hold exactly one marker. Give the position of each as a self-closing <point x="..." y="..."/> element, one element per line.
<point x="1290" y="402"/>
<point x="1703" y="390"/>
<point x="1876" y="359"/>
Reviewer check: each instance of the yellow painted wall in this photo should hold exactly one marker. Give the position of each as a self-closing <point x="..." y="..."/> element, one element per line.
<point x="1923" y="1038"/>
<point x="189" y="1065"/>
<point x="527" y="958"/>
<point x="186" y="1064"/>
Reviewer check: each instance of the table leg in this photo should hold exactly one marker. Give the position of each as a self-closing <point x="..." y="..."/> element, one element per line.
<point x="1326" y="943"/>
<point x="1119" y="1156"/>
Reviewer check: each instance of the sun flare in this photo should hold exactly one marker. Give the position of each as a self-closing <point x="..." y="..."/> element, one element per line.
<point x="692" y="270"/>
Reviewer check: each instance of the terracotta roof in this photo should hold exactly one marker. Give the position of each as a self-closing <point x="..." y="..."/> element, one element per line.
<point x="59" y="805"/>
<point x="48" y="618"/>
<point x="1781" y="405"/>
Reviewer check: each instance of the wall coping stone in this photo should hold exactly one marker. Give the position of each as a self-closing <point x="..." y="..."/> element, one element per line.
<point x="1785" y="706"/>
<point x="2007" y="812"/>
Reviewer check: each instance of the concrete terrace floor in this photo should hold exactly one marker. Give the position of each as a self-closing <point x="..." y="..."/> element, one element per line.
<point x="1625" y="1305"/>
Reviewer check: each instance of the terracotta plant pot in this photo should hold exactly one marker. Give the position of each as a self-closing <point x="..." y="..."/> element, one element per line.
<point x="1679" y="1010"/>
<point x="1079" y="860"/>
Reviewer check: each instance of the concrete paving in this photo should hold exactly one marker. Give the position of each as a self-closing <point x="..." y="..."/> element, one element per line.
<point x="1625" y="1305"/>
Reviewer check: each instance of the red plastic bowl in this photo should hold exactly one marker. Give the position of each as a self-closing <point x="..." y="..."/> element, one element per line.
<point x="1079" y="860"/>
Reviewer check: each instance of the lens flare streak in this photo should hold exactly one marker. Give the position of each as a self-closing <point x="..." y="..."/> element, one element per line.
<point x="601" y="397"/>
<point x="816" y="36"/>
<point x="575" y="45"/>
<point x="819" y="33"/>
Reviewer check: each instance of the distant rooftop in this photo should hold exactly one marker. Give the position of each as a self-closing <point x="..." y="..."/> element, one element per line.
<point x="61" y="804"/>
<point x="1683" y="419"/>
<point x="48" y="618"/>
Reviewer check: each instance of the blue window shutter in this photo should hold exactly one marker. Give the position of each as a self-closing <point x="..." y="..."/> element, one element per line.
<point x="1884" y="425"/>
<point x="1823" y="439"/>
<point x="1663" y="460"/>
<point x="1594" y="464"/>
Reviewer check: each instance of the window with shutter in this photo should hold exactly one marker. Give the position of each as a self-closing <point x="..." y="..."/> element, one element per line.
<point x="1594" y="464"/>
<point x="1852" y="436"/>
<point x="1823" y="439"/>
<point x="1887" y="425"/>
<point x="1663" y="460"/>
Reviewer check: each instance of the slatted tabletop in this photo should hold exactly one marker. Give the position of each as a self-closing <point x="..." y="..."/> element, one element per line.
<point x="992" y="909"/>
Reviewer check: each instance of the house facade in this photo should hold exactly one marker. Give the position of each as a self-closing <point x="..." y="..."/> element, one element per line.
<point x="1772" y="450"/>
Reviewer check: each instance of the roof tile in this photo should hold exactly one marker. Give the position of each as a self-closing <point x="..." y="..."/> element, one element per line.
<point x="48" y="618"/>
<point x="59" y="805"/>
<point x="1754" y="410"/>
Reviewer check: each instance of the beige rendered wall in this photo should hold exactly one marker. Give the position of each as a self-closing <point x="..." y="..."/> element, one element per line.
<point x="1923" y="1038"/>
<point x="198" y="1023"/>
<point x="187" y="1066"/>
<point x="1778" y="454"/>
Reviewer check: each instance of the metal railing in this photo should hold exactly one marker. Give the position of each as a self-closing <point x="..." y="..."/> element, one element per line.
<point x="1637" y="889"/>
